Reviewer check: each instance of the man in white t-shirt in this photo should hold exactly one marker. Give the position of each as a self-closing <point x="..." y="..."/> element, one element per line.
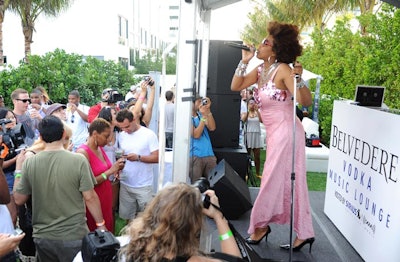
<point x="140" y="146"/>
<point x="77" y="119"/>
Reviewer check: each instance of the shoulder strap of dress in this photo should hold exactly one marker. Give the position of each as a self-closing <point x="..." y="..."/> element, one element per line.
<point x="276" y="70"/>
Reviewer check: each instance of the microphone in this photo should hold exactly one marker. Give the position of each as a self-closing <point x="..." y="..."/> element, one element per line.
<point x="236" y="45"/>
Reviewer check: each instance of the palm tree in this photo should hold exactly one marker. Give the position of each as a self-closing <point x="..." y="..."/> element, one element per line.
<point x="302" y="12"/>
<point x="29" y="11"/>
<point x="3" y="7"/>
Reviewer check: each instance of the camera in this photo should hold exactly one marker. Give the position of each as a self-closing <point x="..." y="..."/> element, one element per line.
<point x="13" y="138"/>
<point x="203" y="185"/>
<point x="204" y="101"/>
<point x="147" y="78"/>
<point x="111" y="96"/>
<point x="17" y="232"/>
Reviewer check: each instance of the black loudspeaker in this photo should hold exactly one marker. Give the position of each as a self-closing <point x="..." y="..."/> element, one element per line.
<point x="236" y="157"/>
<point x="233" y="193"/>
<point x="222" y="62"/>
<point x="226" y="112"/>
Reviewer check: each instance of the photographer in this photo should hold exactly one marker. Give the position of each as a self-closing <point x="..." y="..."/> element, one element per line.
<point x="109" y="97"/>
<point x="169" y="227"/>
<point x="9" y="122"/>
<point x="202" y="158"/>
<point x="8" y="242"/>
<point x="142" y="112"/>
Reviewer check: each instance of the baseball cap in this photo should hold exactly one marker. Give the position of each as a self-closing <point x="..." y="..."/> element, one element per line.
<point x="54" y="107"/>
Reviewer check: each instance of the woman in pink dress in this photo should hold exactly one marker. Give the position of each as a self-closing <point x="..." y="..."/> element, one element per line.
<point x="275" y="87"/>
<point x="99" y="132"/>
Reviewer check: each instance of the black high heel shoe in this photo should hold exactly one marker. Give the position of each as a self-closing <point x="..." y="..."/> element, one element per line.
<point x="305" y="242"/>
<point x="256" y="242"/>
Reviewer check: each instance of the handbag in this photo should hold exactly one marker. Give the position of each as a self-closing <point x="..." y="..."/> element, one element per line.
<point x="100" y="246"/>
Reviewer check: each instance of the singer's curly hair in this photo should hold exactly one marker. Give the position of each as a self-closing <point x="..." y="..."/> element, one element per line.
<point x="170" y="225"/>
<point x="286" y="41"/>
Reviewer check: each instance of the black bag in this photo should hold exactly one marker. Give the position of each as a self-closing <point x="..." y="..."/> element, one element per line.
<point x="100" y="245"/>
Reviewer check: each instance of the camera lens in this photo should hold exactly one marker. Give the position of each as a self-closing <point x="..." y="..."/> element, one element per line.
<point x="202" y="184"/>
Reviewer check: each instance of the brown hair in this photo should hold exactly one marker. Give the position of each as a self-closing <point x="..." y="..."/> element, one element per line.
<point x="99" y="125"/>
<point x="170" y="224"/>
<point x="286" y="43"/>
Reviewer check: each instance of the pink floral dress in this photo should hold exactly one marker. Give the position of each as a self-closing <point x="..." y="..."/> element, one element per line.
<point x="273" y="201"/>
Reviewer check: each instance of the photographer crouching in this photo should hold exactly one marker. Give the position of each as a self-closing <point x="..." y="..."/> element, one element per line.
<point x="169" y="228"/>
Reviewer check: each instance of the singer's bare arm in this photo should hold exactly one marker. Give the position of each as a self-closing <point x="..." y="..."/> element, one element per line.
<point x="241" y="82"/>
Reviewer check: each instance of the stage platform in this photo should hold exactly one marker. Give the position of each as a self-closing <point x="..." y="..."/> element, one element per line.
<point x="329" y="243"/>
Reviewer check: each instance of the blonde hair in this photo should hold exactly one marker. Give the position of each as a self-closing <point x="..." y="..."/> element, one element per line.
<point x="170" y="224"/>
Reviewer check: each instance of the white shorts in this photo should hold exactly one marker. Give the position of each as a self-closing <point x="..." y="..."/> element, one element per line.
<point x="133" y="200"/>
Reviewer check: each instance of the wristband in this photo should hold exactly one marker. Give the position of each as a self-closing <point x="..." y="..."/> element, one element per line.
<point x="301" y="84"/>
<point x="138" y="158"/>
<point x="17" y="175"/>
<point x="17" y="171"/>
<point x="141" y="97"/>
<point x="226" y="235"/>
<point x="102" y="223"/>
<point x="104" y="176"/>
<point x="203" y="119"/>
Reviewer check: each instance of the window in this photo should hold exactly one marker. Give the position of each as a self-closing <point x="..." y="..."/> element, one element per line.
<point x="123" y="61"/>
<point x="122" y="30"/>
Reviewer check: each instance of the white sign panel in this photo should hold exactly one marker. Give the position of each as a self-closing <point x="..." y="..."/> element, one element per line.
<point x="363" y="180"/>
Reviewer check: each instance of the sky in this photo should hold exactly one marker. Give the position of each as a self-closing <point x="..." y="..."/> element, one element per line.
<point x="228" y="21"/>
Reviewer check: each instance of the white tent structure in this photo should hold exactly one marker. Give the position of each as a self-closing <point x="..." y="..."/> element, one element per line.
<point x="192" y="67"/>
<point x="192" y="70"/>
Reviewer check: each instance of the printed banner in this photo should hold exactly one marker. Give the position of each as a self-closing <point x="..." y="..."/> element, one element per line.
<point x="362" y="186"/>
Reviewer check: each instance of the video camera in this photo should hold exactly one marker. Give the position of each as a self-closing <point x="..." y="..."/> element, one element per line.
<point x="203" y="185"/>
<point x="13" y="138"/>
<point x="111" y="96"/>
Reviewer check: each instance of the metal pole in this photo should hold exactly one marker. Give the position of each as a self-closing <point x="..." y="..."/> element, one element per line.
<point x="293" y="174"/>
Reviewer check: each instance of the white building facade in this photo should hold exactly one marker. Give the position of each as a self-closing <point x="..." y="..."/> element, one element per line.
<point x="119" y="30"/>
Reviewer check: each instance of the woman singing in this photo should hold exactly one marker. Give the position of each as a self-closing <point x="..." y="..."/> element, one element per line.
<point x="275" y="88"/>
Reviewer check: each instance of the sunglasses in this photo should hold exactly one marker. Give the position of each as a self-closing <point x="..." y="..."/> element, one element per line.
<point x="265" y="41"/>
<point x="23" y="100"/>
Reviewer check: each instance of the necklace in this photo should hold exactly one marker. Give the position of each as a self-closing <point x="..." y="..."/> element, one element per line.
<point x="266" y="73"/>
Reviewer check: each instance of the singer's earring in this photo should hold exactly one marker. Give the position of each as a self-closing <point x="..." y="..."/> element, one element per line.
<point x="269" y="59"/>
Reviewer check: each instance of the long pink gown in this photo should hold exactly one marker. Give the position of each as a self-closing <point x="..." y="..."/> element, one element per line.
<point x="273" y="201"/>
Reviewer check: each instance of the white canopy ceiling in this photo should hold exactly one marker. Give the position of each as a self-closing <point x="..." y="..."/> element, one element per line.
<point x="214" y="4"/>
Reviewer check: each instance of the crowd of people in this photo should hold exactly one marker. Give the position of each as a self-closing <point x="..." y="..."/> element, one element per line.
<point x="84" y="164"/>
<point x="41" y="133"/>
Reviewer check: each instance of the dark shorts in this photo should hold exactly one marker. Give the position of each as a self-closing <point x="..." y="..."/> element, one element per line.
<point x="10" y="181"/>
